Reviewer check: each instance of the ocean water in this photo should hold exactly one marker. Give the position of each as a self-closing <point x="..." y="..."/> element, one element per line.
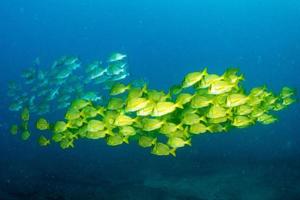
<point x="164" y="40"/>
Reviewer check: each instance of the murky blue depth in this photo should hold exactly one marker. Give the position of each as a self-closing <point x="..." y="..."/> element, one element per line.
<point x="163" y="40"/>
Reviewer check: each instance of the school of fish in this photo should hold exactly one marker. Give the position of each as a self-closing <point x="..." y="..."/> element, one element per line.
<point x="162" y="121"/>
<point x="43" y="91"/>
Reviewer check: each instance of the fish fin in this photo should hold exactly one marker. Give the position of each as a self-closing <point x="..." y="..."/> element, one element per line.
<point x="179" y="105"/>
<point x="180" y="126"/>
<point x="226" y="127"/>
<point x="125" y="139"/>
<point x="203" y="119"/>
<point x="110" y="133"/>
<point x="186" y="132"/>
<point x="189" y="142"/>
<point x="204" y="72"/>
<point x="154" y="141"/>
<point x="145" y="88"/>
<point x="209" y="129"/>
<point x="168" y="95"/>
<point x="173" y="152"/>
<point x="241" y="77"/>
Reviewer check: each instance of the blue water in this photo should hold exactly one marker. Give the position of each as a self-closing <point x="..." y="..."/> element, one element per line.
<point x="164" y="40"/>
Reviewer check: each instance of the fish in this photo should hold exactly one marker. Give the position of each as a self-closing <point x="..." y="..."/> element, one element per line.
<point x="96" y="135"/>
<point x="25" y="135"/>
<point x="221" y="87"/>
<point x="177" y="142"/>
<point x="116" y="68"/>
<point x="209" y="80"/>
<point x="72" y="114"/>
<point x="191" y="118"/>
<point x="43" y="141"/>
<point x="100" y="80"/>
<point x="193" y="78"/>
<point x="95" y="125"/>
<point x="242" y="121"/>
<point x="146" y="141"/>
<point x="120" y="76"/>
<point x="123" y="120"/>
<point x="286" y="92"/>
<point x="96" y="73"/>
<point x="89" y="112"/>
<point x="28" y="73"/>
<point x="163" y="108"/>
<point x="14" y="129"/>
<point x="115" y="104"/>
<point x="116" y="57"/>
<point x="42" y="124"/>
<point x="234" y="100"/>
<point x="92" y="96"/>
<point x="184" y="98"/>
<point x="119" y="88"/>
<point x="147" y="110"/>
<point x="91" y="67"/>
<point x="216" y="111"/>
<point x="60" y="127"/>
<point x="168" y="128"/>
<point x="25" y="114"/>
<point x="136" y="104"/>
<point x="203" y="103"/>
<point x="16" y="106"/>
<point x="41" y="75"/>
<point x="161" y="149"/>
<point x="65" y="73"/>
<point x="198" y="128"/>
<point x="115" y="140"/>
<point x="152" y="124"/>
<point x="127" y="131"/>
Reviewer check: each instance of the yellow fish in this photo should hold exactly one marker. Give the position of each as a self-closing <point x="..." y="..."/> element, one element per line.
<point x="42" y="124"/>
<point x="97" y="134"/>
<point x="119" y="88"/>
<point x="161" y="149"/>
<point x="198" y="128"/>
<point x="60" y="126"/>
<point x="124" y="120"/>
<point x="234" y="100"/>
<point x="184" y="98"/>
<point x="242" y="121"/>
<point x="89" y="112"/>
<point x="43" y="141"/>
<point x="220" y="87"/>
<point x="169" y="127"/>
<point x="25" y="114"/>
<point x="201" y="101"/>
<point x="151" y="124"/>
<point x="146" y="141"/>
<point x="14" y="129"/>
<point x="72" y="114"/>
<point x="115" y="140"/>
<point x="163" y="108"/>
<point x="25" y="135"/>
<point x="95" y="125"/>
<point x="115" y="104"/>
<point x="216" y="111"/>
<point x="127" y="131"/>
<point x="146" y="111"/>
<point x="136" y="104"/>
<point x="79" y="104"/>
<point x="177" y="142"/>
<point x="193" y="78"/>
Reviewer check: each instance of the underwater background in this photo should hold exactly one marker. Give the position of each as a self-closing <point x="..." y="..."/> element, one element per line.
<point x="164" y="40"/>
